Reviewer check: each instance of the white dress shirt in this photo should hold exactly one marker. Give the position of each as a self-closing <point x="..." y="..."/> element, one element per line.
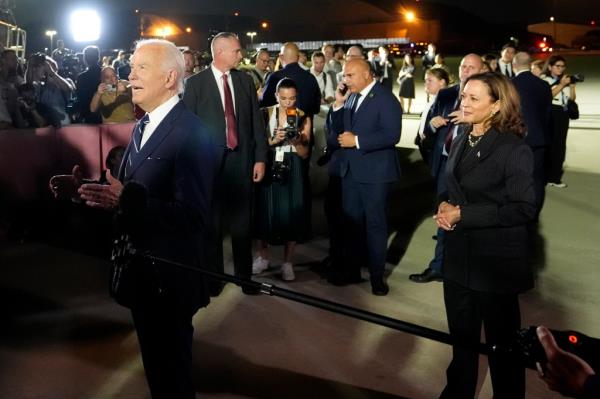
<point x="325" y="84"/>
<point x="218" y="77"/>
<point x="424" y="115"/>
<point x="156" y="117"/>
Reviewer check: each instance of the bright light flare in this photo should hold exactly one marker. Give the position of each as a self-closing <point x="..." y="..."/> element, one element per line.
<point x="85" y="25"/>
<point x="410" y="16"/>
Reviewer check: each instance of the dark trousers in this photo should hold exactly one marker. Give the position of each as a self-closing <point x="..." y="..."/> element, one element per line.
<point x="558" y="144"/>
<point x="165" y="338"/>
<point x="335" y="218"/>
<point x="364" y="207"/>
<point x="539" y="176"/>
<point x="466" y="311"/>
<point x="232" y="209"/>
<point x="438" y="255"/>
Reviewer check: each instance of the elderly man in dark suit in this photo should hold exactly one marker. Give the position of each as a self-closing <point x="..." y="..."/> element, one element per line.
<point x="225" y="99"/>
<point x="163" y="196"/>
<point x="536" y="108"/>
<point x="365" y="125"/>
<point x="442" y="125"/>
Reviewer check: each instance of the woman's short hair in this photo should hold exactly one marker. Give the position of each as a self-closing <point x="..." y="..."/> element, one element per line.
<point x="286" y="83"/>
<point x="439" y="73"/>
<point x="500" y="88"/>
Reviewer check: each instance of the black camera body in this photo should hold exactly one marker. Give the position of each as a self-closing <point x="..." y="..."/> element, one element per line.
<point x="531" y="350"/>
<point x="280" y="172"/>
<point x="576" y="78"/>
<point x="291" y="131"/>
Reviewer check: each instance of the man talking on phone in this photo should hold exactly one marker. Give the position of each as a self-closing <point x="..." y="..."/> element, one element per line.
<point x="364" y="124"/>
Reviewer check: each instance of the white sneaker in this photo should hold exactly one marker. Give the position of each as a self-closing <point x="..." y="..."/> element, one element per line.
<point x="287" y="272"/>
<point x="259" y="265"/>
<point x="558" y="185"/>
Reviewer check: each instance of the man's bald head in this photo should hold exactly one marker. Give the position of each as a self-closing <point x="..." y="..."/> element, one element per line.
<point x="357" y="74"/>
<point x="354" y="52"/>
<point x="289" y="53"/>
<point x="521" y="61"/>
<point x="471" y="64"/>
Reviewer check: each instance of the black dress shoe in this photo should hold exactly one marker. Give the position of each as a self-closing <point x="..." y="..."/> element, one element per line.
<point x="379" y="287"/>
<point x="427" y="276"/>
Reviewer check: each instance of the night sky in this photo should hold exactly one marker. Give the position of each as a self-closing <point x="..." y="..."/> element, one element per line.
<point x="119" y="22"/>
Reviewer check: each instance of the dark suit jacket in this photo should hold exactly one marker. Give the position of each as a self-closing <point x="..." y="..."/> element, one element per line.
<point x="536" y="107"/>
<point x="166" y="200"/>
<point x="309" y="95"/>
<point x="378" y="124"/>
<point x="203" y="99"/>
<point x="443" y="105"/>
<point x="86" y="85"/>
<point x="487" y="251"/>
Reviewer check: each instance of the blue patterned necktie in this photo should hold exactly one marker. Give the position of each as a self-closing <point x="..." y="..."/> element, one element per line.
<point x="354" y="106"/>
<point x="138" y="133"/>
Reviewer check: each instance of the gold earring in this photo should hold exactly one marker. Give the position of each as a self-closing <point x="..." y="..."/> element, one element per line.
<point x="492" y="114"/>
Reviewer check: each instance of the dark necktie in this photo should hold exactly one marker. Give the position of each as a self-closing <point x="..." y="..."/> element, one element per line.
<point x="138" y="133"/>
<point x="354" y="106"/>
<point x="508" y="71"/>
<point x="450" y="134"/>
<point x="232" y="136"/>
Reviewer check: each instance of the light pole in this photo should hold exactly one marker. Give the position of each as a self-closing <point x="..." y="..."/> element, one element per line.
<point x="554" y="30"/>
<point x="251" y="35"/>
<point x="51" y="34"/>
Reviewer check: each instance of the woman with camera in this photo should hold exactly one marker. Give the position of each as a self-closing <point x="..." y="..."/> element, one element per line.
<point x="282" y="216"/>
<point x="563" y="90"/>
<point x="113" y="98"/>
<point x="485" y="210"/>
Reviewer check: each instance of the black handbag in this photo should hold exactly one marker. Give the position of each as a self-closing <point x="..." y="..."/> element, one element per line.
<point x="572" y="109"/>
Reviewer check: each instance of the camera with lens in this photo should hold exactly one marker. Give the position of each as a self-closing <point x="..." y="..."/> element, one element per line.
<point x="291" y="130"/>
<point x="280" y="172"/>
<point x="576" y="78"/>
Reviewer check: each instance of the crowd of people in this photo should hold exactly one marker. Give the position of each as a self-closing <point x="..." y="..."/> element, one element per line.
<point x="491" y="141"/>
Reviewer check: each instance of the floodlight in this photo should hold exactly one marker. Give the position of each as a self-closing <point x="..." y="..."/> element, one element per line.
<point x="85" y="25"/>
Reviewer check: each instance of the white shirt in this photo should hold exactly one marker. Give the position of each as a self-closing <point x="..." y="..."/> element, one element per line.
<point x="424" y="115"/>
<point x="156" y="117"/>
<point x="218" y="77"/>
<point x="326" y="88"/>
<point x="562" y="96"/>
<point x="502" y="66"/>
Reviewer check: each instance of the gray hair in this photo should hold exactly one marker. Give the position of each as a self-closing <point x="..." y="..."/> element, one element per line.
<point x="218" y="36"/>
<point x="173" y="58"/>
<point x="522" y="60"/>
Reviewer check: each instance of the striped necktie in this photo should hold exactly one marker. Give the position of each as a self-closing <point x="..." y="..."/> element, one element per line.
<point x="138" y="133"/>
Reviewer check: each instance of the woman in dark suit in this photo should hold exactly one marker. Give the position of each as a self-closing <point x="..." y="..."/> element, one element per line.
<point x="489" y="200"/>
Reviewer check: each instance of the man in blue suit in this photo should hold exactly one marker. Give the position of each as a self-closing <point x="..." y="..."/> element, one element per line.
<point x="441" y="125"/>
<point x="536" y="108"/>
<point x="366" y="123"/>
<point x="162" y="197"/>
